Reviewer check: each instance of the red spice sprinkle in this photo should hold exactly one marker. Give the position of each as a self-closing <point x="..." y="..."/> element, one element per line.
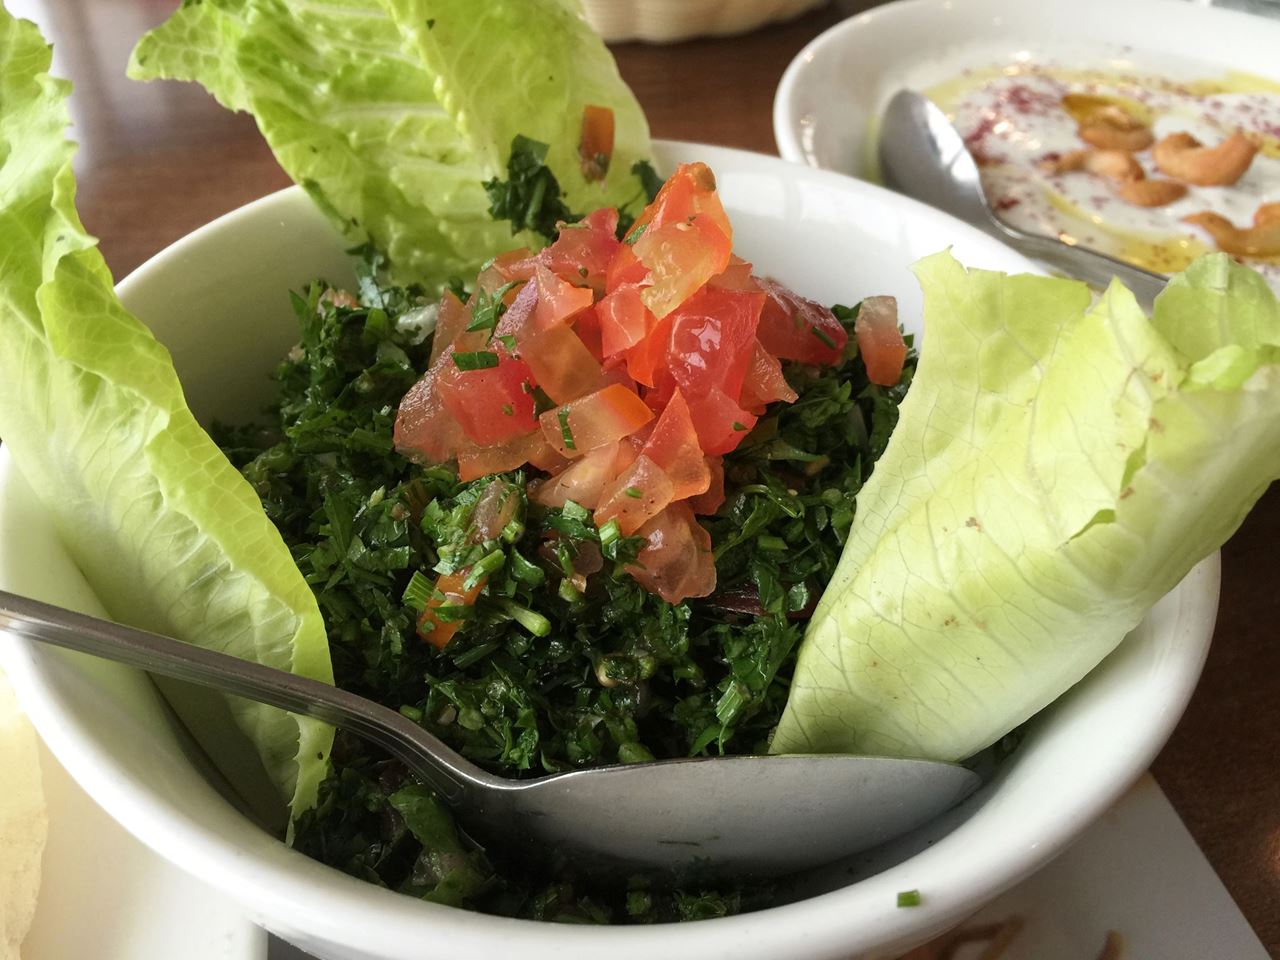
<point x="974" y="137"/>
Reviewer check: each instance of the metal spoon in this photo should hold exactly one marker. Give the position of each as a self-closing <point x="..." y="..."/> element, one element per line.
<point x="923" y="156"/>
<point x="738" y="816"/>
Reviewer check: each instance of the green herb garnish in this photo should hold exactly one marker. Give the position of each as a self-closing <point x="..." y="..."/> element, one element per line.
<point x="530" y="197"/>
<point x="823" y="336"/>
<point x="566" y="435"/>
<point x="486" y="307"/>
<point x="649" y="179"/>
<point x="475" y="360"/>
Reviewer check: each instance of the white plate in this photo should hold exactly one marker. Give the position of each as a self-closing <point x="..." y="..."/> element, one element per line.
<point x="106" y="896"/>
<point x="828" y="100"/>
<point x="217" y="299"/>
<point x="1137" y="874"/>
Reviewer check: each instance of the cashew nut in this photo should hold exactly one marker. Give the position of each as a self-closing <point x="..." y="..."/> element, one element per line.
<point x="1183" y="157"/>
<point x="1151" y="193"/>
<point x="1267" y="213"/>
<point x="1113" y="164"/>
<point x="1117" y="165"/>
<point x="1111" y="128"/>
<point x="1260" y="240"/>
<point x="1067" y="163"/>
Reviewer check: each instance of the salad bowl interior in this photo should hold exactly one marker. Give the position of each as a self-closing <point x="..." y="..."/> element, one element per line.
<point x="218" y="300"/>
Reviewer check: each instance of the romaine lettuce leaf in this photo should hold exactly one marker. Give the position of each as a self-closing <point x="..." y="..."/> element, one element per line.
<point x="165" y="530"/>
<point x="1056" y="469"/>
<point x="392" y="123"/>
<point x="528" y="67"/>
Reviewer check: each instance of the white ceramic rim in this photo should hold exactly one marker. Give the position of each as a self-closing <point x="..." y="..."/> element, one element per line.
<point x="1163" y="26"/>
<point x="285" y="885"/>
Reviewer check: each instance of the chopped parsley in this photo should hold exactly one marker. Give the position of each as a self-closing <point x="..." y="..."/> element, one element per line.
<point x="564" y="661"/>
<point x="475" y="360"/>
<point x="530" y="197"/>
<point x="487" y="307"/>
<point x="566" y="435"/>
<point x="823" y="336"/>
<point x="650" y="182"/>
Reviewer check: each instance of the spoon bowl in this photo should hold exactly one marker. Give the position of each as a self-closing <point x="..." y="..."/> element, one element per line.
<point x="923" y="156"/>
<point x="690" y="818"/>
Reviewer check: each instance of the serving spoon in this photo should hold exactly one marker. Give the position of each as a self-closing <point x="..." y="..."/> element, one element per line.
<point x="923" y="156"/>
<point x="746" y="816"/>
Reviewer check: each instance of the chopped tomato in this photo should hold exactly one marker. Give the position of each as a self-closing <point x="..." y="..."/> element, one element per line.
<point x="518" y="314"/>
<point x="680" y="257"/>
<point x="713" y="499"/>
<point x="660" y="354"/>
<point x="587" y="327"/>
<point x="615" y="372"/>
<point x="582" y="480"/>
<point x="546" y="459"/>
<point x="595" y="148"/>
<point x="736" y="276"/>
<point x="561" y="363"/>
<point x="794" y="328"/>
<point x="475" y="460"/>
<point x="558" y="300"/>
<point x="712" y="339"/>
<point x="425" y="429"/>
<point x="493" y="404"/>
<point x="502" y="268"/>
<point x="624" y="268"/>
<point x="602" y="417"/>
<point x="880" y="340"/>
<point x="624" y="320"/>
<point x="673" y="446"/>
<point x="637" y="494"/>
<point x="647" y="360"/>
<point x="629" y="448"/>
<point x="452" y="317"/>
<point x="676" y="561"/>
<point x="582" y="253"/>
<point x="721" y="423"/>
<point x="450" y="591"/>
<point x="689" y="192"/>
<point x="764" y="382"/>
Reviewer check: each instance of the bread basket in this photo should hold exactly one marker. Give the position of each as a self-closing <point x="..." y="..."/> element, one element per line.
<point x="669" y="21"/>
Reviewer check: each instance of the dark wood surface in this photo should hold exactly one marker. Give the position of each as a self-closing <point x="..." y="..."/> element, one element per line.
<point x="159" y="160"/>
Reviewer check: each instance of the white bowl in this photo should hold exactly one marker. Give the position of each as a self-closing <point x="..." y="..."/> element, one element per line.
<point x="826" y="107"/>
<point x="218" y="300"/>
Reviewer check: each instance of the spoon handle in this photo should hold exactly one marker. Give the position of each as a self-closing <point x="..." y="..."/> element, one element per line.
<point x="447" y="773"/>
<point x="1094" y="268"/>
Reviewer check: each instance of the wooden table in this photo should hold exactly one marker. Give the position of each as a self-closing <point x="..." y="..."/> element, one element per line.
<point x="159" y="160"/>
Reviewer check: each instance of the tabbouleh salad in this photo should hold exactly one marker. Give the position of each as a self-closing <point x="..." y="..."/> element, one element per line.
<point x="512" y="620"/>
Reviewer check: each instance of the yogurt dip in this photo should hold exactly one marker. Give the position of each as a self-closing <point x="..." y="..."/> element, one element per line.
<point x="1019" y="118"/>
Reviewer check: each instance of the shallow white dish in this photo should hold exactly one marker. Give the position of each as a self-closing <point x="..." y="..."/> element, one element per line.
<point x="218" y="300"/>
<point x="105" y="896"/>
<point x="825" y="109"/>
